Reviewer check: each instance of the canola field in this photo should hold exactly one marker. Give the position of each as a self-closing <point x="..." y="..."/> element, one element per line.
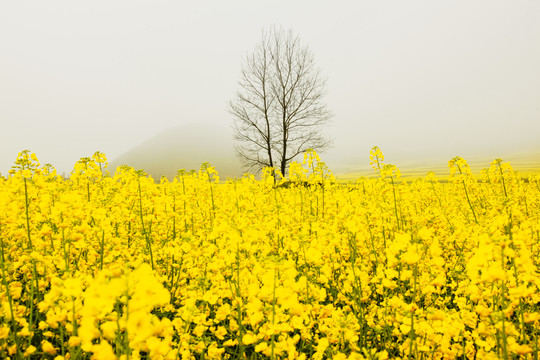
<point x="119" y="266"/>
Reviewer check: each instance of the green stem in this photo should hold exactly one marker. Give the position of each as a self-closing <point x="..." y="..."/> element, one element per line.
<point x="411" y="332"/>
<point x="395" y="201"/>
<point x="27" y="204"/>
<point x="211" y="196"/>
<point x="13" y="332"/>
<point x="502" y="179"/>
<point x="145" y="233"/>
<point x="467" y="195"/>
<point x="66" y="262"/>
<point x="274" y="314"/>
<point x="102" y="250"/>
<point x="502" y="305"/>
<point x="238" y="306"/>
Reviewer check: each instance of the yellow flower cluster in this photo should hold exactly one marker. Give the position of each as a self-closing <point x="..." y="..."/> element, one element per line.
<point x="101" y="266"/>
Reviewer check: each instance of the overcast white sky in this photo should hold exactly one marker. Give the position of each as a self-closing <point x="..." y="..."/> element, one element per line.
<point x="417" y="78"/>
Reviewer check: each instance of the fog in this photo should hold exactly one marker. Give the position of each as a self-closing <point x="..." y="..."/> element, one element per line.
<point x="423" y="80"/>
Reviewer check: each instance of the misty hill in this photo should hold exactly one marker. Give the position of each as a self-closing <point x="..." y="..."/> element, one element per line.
<point x="187" y="146"/>
<point x="184" y="147"/>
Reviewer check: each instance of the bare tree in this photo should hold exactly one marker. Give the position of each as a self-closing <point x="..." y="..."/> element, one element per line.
<point x="278" y="109"/>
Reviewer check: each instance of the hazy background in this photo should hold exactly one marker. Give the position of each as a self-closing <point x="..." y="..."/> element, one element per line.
<point x="423" y="80"/>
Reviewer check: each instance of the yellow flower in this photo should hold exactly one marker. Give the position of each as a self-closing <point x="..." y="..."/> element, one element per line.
<point x="48" y="348"/>
<point x="74" y="341"/>
<point x="29" y="351"/>
<point x="4" y="332"/>
<point x="12" y="349"/>
<point x="103" y="351"/>
<point x="220" y="332"/>
<point x="230" y="342"/>
<point x="520" y="349"/>
<point x="199" y="330"/>
<point x="24" y="332"/>
<point x="531" y="317"/>
<point x="249" y="338"/>
<point x="411" y="257"/>
<point x="214" y="352"/>
<point x="494" y="273"/>
<point x="321" y="347"/>
<point x="199" y="347"/>
<point x="158" y="348"/>
<point x="261" y="347"/>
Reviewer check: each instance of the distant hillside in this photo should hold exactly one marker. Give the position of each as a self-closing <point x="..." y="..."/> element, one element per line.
<point x="187" y="146"/>
<point x="184" y="147"/>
